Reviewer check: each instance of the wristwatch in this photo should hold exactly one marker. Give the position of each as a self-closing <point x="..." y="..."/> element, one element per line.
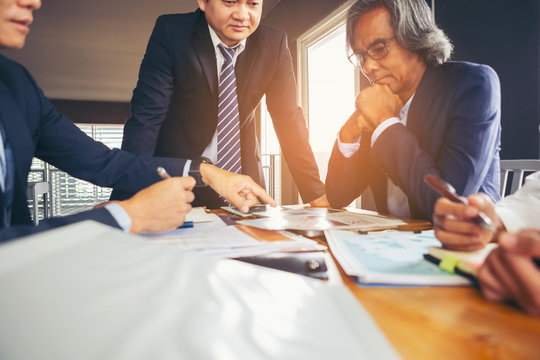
<point x="195" y="170"/>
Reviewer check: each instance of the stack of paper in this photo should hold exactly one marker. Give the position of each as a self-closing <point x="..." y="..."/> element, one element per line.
<point x="389" y="258"/>
<point x="230" y="241"/>
<point x="318" y="219"/>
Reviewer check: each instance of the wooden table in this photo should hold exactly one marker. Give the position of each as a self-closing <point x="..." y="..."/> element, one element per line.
<point x="448" y="323"/>
<point x="445" y="322"/>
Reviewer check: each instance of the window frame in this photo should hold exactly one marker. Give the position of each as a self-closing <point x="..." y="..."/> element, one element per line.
<point x="322" y="29"/>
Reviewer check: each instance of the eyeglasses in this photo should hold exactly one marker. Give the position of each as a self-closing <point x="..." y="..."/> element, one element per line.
<point x="377" y="51"/>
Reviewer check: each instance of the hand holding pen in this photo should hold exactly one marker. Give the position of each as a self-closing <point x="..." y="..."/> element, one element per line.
<point x="460" y="223"/>
<point x="448" y="191"/>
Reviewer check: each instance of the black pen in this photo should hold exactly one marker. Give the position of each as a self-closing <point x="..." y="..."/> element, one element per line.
<point x="448" y="191"/>
<point x="163" y="173"/>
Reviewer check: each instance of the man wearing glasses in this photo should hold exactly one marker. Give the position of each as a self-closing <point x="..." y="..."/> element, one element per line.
<point x="422" y="115"/>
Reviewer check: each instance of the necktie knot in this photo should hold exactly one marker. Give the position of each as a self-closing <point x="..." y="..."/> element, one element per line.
<point x="227" y="52"/>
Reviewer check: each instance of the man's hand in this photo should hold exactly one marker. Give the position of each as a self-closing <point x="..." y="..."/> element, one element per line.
<point x="352" y="129"/>
<point x="378" y="103"/>
<point x="509" y="272"/>
<point x="239" y="190"/>
<point x="320" y="202"/>
<point x="453" y="225"/>
<point x="161" y="206"/>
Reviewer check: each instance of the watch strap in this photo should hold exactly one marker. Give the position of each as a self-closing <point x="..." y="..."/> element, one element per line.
<point x="195" y="170"/>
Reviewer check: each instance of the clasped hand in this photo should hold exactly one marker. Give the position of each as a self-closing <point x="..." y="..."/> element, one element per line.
<point x="374" y="105"/>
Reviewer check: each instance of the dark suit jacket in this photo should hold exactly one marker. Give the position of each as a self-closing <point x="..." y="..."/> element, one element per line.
<point x="174" y="106"/>
<point x="453" y="130"/>
<point x="34" y="128"/>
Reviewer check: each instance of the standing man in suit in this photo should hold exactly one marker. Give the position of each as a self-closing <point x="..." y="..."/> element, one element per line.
<point x="422" y="115"/>
<point x="202" y="77"/>
<point x="30" y="126"/>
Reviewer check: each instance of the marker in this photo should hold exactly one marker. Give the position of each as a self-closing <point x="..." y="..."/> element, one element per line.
<point x="163" y="173"/>
<point x="448" y="191"/>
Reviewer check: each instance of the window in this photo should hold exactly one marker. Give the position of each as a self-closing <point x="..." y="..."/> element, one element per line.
<point x="69" y="195"/>
<point x="328" y="83"/>
<point x="270" y="154"/>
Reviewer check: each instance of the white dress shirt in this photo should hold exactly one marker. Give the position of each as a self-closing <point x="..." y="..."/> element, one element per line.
<point x="398" y="204"/>
<point x="522" y="209"/>
<point x="212" y="150"/>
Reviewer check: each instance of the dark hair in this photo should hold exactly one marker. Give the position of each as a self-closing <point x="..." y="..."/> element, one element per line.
<point x="413" y="27"/>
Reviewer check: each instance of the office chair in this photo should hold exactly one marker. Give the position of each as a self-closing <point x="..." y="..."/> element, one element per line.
<point x="518" y="168"/>
<point x="34" y="191"/>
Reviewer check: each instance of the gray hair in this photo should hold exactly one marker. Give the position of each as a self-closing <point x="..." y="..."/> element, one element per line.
<point x="413" y="27"/>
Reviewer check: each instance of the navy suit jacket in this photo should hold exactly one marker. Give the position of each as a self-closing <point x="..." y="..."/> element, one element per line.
<point x="453" y="130"/>
<point x="34" y="128"/>
<point x="174" y="106"/>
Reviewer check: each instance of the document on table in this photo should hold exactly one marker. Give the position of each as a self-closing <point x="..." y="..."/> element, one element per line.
<point x="230" y="242"/>
<point x="320" y="219"/>
<point x="389" y="258"/>
<point x="199" y="215"/>
<point x="88" y="291"/>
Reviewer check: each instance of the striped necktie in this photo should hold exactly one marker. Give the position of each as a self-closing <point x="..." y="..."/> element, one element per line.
<point x="228" y="128"/>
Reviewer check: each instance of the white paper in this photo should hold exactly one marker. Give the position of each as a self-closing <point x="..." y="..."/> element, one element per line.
<point x="389" y="258"/>
<point x="318" y="219"/>
<point x="91" y="292"/>
<point x="199" y="215"/>
<point x="228" y="242"/>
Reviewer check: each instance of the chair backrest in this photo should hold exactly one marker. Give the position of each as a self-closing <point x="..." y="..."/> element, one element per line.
<point x="34" y="191"/>
<point x="518" y="168"/>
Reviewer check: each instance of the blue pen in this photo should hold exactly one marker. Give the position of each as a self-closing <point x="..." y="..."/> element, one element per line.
<point x="186" y="224"/>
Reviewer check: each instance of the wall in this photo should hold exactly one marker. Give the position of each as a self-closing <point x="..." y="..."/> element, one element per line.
<point x="505" y="35"/>
<point x="295" y="17"/>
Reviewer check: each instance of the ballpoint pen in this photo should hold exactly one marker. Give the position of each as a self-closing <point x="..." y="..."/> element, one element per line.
<point x="163" y="173"/>
<point x="448" y="191"/>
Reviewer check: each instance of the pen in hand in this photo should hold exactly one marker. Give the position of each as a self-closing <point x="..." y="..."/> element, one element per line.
<point x="163" y="173"/>
<point x="448" y="191"/>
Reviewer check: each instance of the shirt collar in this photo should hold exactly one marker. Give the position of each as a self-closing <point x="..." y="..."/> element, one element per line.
<point x="405" y="109"/>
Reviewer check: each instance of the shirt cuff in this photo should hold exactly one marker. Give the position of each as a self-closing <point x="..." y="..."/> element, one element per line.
<point x="383" y="126"/>
<point x="186" y="168"/>
<point x="120" y="216"/>
<point x="511" y="221"/>
<point x="348" y="149"/>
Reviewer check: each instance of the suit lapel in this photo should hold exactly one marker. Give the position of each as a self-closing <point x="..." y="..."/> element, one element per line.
<point x="202" y="43"/>
<point x="244" y="65"/>
<point x="419" y="119"/>
<point x="17" y="132"/>
<point x="421" y="103"/>
<point x="20" y="140"/>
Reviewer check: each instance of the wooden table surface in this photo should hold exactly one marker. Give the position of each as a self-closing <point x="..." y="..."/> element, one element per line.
<point x="444" y="322"/>
<point x="448" y="323"/>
